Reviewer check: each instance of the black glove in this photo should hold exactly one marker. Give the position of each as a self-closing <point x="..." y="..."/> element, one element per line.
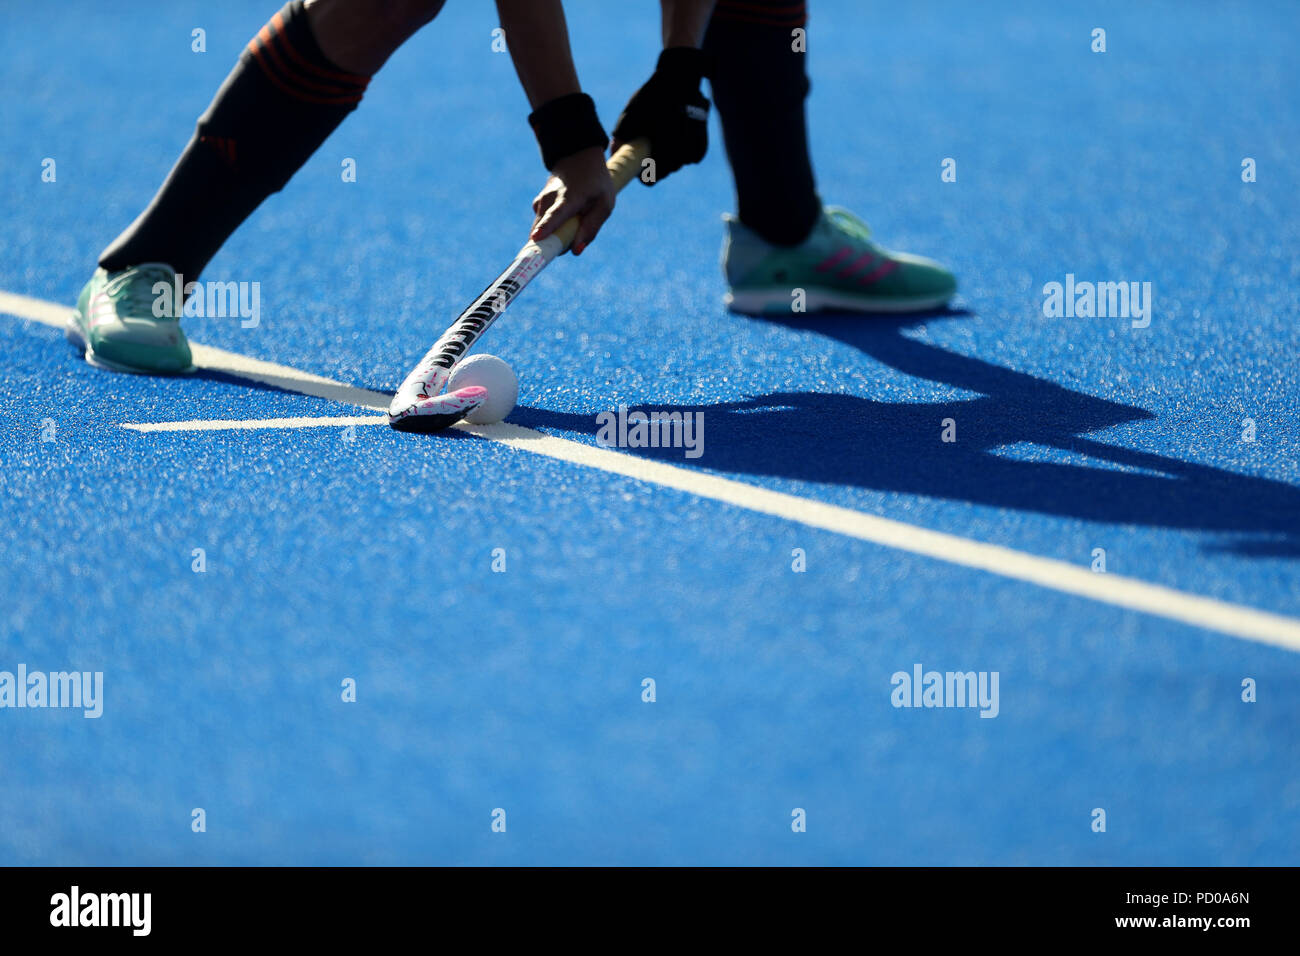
<point x="671" y="112"/>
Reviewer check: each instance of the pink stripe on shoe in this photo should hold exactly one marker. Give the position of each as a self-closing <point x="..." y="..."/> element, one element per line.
<point x="876" y="275"/>
<point x="835" y="259"/>
<point x="863" y="260"/>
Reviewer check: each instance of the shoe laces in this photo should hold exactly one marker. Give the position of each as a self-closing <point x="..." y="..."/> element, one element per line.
<point x="132" y="289"/>
<point x="848" y="223"/>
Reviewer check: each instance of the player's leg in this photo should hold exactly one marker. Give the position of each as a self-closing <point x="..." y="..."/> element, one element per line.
<point x="782" y="238"/>
<point x="294" y="83"/>
<point x="759" y="84"/>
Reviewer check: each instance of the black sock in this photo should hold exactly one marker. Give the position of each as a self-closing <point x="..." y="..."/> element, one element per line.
<point x="279" y="103"/>
<point x="759" y="85"/>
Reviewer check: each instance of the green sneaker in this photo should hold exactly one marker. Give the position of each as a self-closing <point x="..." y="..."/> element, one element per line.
<point x="116" y="325"/>
<point x="837" y="267"/>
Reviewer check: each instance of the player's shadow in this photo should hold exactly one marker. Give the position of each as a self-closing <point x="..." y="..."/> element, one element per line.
<point x="1002" y="433"/>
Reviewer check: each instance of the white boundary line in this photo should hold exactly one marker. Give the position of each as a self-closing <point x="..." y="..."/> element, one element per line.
<point x="254" y="424"/>
<point x="1113" y="589"/>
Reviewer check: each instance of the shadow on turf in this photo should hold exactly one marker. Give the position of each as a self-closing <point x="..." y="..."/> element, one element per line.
<point x="895" y="446"/>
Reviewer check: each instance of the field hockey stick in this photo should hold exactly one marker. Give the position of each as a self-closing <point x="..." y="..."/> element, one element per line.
<point x="419" y="405"/>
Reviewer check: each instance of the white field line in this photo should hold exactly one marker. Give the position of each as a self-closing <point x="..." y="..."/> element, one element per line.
<point x="1113" y="589"/>
<point x="254" y="424"/>
<point x="219" y="360"/>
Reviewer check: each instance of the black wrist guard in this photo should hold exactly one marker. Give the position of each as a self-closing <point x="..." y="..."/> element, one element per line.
<point x="566" y="125"/>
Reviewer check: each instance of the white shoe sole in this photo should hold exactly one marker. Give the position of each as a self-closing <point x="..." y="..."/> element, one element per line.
<point x="779" y="301"/>
<point x="72" y="329"/>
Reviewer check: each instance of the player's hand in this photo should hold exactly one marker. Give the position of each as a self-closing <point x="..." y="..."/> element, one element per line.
<point x="579" y="185"/>
<point x="671" y="112"/>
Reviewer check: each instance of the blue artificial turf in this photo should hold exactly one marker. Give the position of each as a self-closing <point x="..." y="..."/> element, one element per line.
<point x="370" y="559"/>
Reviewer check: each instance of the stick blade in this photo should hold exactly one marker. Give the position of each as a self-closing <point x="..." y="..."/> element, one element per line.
<point x="437" y="413"/>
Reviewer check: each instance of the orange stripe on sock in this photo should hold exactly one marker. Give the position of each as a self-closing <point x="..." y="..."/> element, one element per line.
<point x="348" y="79"/>
<point x="294" y="77"/>
<point x="745" y="18"/>
<point x="283" y="87"/>
<point x="794" y="15"/>
<point x="776" y="9"/>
